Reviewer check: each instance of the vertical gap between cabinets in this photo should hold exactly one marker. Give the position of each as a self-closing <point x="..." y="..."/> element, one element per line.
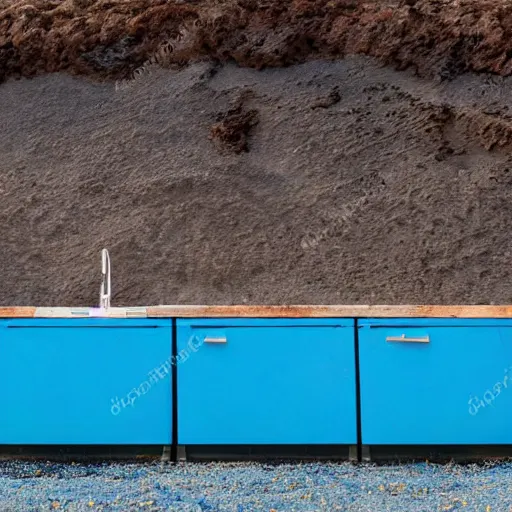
<point x="358" y="391"/>
<point x="174" y="389"/>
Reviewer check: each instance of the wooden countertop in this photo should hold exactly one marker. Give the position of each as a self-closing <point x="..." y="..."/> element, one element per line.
<point x="304" y="311"/>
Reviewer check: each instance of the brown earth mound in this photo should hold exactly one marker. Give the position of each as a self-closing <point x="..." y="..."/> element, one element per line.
<point x="112" y="38"/>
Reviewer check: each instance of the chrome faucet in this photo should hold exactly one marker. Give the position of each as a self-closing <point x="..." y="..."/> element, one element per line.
<point x="105" y="291"/>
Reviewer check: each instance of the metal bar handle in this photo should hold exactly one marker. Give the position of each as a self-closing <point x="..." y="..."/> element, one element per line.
<point x="404" y="339"/>
<point x="215" y="339"/>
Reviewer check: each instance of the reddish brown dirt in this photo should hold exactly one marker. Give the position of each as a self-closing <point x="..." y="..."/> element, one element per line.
<point x="107" y="38"/>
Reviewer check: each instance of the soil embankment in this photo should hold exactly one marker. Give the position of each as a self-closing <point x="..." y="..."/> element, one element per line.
<point x="340" y="181"/>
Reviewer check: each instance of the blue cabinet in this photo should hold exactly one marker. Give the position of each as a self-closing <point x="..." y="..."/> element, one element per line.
<point x="266" y="381"/>
<point x="435" y="381"/>
<point x="85" y="381"/>
<point x="97" y="381"/>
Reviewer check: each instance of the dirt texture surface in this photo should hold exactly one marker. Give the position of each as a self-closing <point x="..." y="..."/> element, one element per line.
<point x="356" y="184"/>
<point x="224" y="152"/>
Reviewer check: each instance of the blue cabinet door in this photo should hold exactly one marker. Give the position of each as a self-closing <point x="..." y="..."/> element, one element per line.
<point x="266" y="382"/>
<point x="436" y="381"/>
<point x="92" y="381"/>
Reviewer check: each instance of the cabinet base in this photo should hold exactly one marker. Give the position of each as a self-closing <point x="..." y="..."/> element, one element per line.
<point x="434" y="453"/>
<point x="266" y="452"/>
<point x="89" y="453"/>
<point x="183" y="453"/>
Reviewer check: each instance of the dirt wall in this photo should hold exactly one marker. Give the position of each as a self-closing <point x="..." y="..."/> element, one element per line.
<point x="224" y="152"/>
<point x="340" y="182"/>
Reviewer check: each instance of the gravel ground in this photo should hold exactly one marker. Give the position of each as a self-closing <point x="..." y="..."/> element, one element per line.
<point x="243" y="487"/>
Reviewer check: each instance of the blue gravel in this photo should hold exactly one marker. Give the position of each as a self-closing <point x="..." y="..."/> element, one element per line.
<point x="247" y="487"/>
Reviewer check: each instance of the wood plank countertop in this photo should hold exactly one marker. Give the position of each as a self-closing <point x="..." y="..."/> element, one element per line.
<point x="341" y="311"/>
<point x="244" y="311"/>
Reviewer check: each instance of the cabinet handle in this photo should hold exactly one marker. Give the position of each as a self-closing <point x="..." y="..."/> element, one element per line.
<point x="403" y="339"/>
<point x="211" y="339"/>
